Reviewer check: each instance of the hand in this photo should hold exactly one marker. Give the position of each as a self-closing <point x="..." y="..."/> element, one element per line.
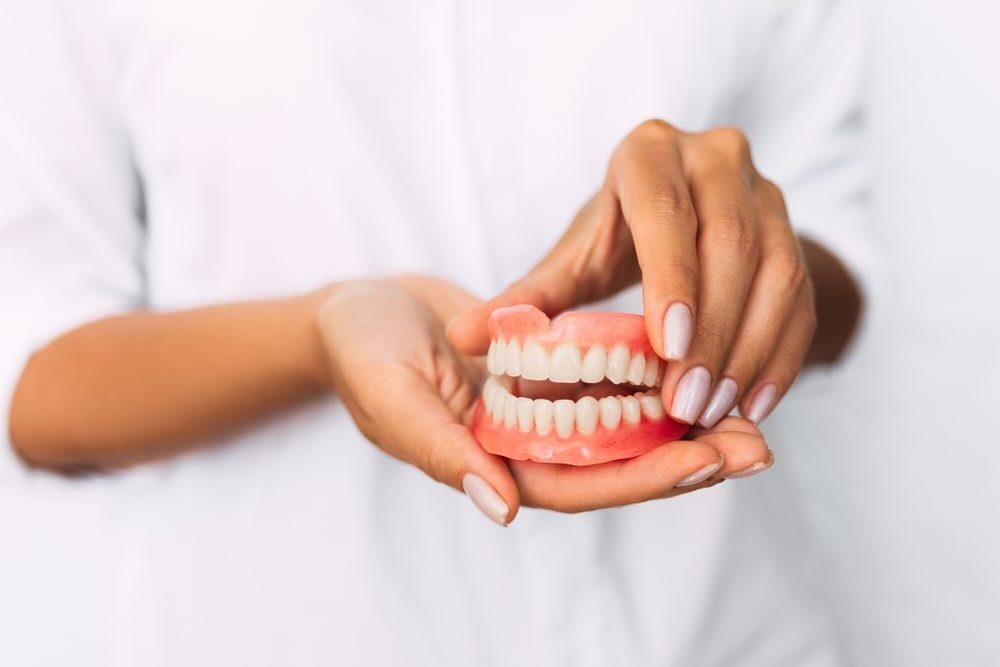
<point x="411" y="394"/>
<point x="727" y="295"/>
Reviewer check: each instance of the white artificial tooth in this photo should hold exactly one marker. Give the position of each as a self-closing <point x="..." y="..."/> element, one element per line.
<point x="564" y="415"/>
<point x="630" y="409"/>
<point x="489" y="388"/>
<point x="496" y="406"/>
<point x="595" y="364"/>
<point x="652" y="371"/>
<point x="652" y="406"/>
<point x="525" y="414"/>
<point x="587" y="411"/>
<point x="509" y="410"/>
<point x="491" y="358"/>
<point x="566" y="363"/>
<point x="543" y="409"/>
<point x="512" y="359"/>
<point x="618" y="360"/>
<point x="611" y="412"/>
<point x="636" y="369"/>
<point x="534" y="362"/>
<point x="501" y="356"/>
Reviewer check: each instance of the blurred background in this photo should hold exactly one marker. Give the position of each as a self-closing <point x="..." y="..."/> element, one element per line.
<point x="902" y="514"/>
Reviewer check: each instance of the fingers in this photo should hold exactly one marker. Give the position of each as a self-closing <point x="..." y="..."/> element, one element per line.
<point x="741" y="444"/>
<point x="720" y="176"/>
<point x="647" y="174"/>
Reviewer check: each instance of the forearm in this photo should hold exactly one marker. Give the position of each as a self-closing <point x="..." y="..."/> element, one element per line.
<point x="143" y="386"/>
<point x="838" y="303"/>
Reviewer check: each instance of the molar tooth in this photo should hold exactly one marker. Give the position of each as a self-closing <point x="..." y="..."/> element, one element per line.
<point x="652" y="371"/>
<point x="611" y="412"/>
<point x="499" y="358"/>
<point x="543" y="409"/>
<point x="636" y="369"/>
<point x="525" y="414"/>
<point x="509" y="410"/>
<point x="566" y="363"/>
<point x="618" y="360"/>
<point x="630" y="409"/>
<point x="491" y="358"/>
<point x="652" y="406"/>
<point x="534" y="362"/>
<point x="595" y="364"/>
<point x="512" y="359"/>
<point x="564" y="414"/>
<point x="587" y="411"/>
<point x="496" y="406"/>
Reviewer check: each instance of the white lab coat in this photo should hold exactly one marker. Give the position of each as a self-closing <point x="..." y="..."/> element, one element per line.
<point x="172" y="153"/>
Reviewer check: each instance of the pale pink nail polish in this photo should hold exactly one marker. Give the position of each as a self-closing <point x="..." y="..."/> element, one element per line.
<point x="485" y="498"/>
<point x="701" y="475"/>
<point x="721" y="403"/>
<point x="760" y="466"/>
<point x="678" y="328"/>
<point x="691" y="394"/>
<point x="763" y="403"/>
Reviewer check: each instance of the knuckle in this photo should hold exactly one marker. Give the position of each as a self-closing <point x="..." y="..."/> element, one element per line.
<point x="732" y="142"/>
<point x="654" y="129"/>
<point x="735" y="232"/>
<point x="772" y="193"/>
<point x="788" y="271"/>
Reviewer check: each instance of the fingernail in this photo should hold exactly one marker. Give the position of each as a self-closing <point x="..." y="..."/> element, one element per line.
<point x="722" y="402"/>
<point x="762" y="403"/>
<point x="485" y="498"/>
<point x="701" y="475"/>
<point x="691" y="394"/>
<point x="760" y="466"/>
<point x="678" y="327"/>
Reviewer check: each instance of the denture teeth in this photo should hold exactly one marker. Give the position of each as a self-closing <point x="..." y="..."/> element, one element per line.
<point x="587" y="411"/>
<point x="652" y="373"/>
<point x="512" y="359"/>
<point x="496" y="409"/>
<point x="631" y="410"/>
<point x="499" y="357"/>
<point x="618" y="361"/>
<point x="636" y="369"/>
<point x="491" y="358"/>
<point x="534" y="362"/>
<point x="509" y="410"/>
<point x="611" y="412"/>
<point x="652" y="406"/>
<point x="543" y="415"/>
<point x="564" y="415"/>
<point x="525" y="414"/>
<point x="595" y="365"/>
<point x="565" y="363"/>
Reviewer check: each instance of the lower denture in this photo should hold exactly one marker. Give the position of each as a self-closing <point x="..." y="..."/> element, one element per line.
<point x="602" y="374"/>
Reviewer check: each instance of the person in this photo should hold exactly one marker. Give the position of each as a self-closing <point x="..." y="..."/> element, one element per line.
<point x="239" y="240"/>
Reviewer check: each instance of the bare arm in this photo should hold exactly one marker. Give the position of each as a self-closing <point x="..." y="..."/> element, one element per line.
<point x="142" y="386"/>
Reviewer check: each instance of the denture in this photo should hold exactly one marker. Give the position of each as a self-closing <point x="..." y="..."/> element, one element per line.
<point x="580" y="389"/>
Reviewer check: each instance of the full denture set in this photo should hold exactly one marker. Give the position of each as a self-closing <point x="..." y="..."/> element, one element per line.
<point x="599" y="383"/>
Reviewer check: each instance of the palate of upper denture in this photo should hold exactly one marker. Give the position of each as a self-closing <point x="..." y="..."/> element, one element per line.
<point x="580" y="389"/>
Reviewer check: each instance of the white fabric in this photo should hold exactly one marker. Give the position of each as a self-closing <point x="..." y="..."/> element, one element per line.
<point x="182" y="152"/>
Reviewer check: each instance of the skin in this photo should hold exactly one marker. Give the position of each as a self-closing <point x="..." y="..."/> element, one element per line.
<point x="144" y="386"/>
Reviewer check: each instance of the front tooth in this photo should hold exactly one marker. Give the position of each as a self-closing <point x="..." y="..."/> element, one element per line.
<point x="509" y="410"/>
<point x="630" y="409"/>
<point x="652" y="371"/>
<point x="500" y="357"/>
<point x="611" y="412"/>
<point x="543" y="409"/>
<point x="587" y="411"/>
<point x="636" y="369"/>
<point x="618" y="361"/>
<point x="652" y="407"/>
<point x="512" y="359"/>
<point x="566" y="364"/>
<point x="496" y="407"/>
<point x="525" y="414"/>
<point x="564" y="415"/>
<point x="534" y="362"/>
<point x="595" y="364"/>
<point x="491" y="358"/>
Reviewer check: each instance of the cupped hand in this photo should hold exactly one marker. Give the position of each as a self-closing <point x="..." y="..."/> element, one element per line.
<point x="411" y="393"/>
<point x="727" y="295"/>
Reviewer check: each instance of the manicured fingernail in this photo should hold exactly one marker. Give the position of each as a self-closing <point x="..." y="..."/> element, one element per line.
<point x="700" y="475"/>
<point x="762" y="403"/>
<point x="678" y="327"/>
<point x="485" y="498"/>
<point x="721" y="403"/>
<point x="691" y="394"/>
<point x="760" y="466"/>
